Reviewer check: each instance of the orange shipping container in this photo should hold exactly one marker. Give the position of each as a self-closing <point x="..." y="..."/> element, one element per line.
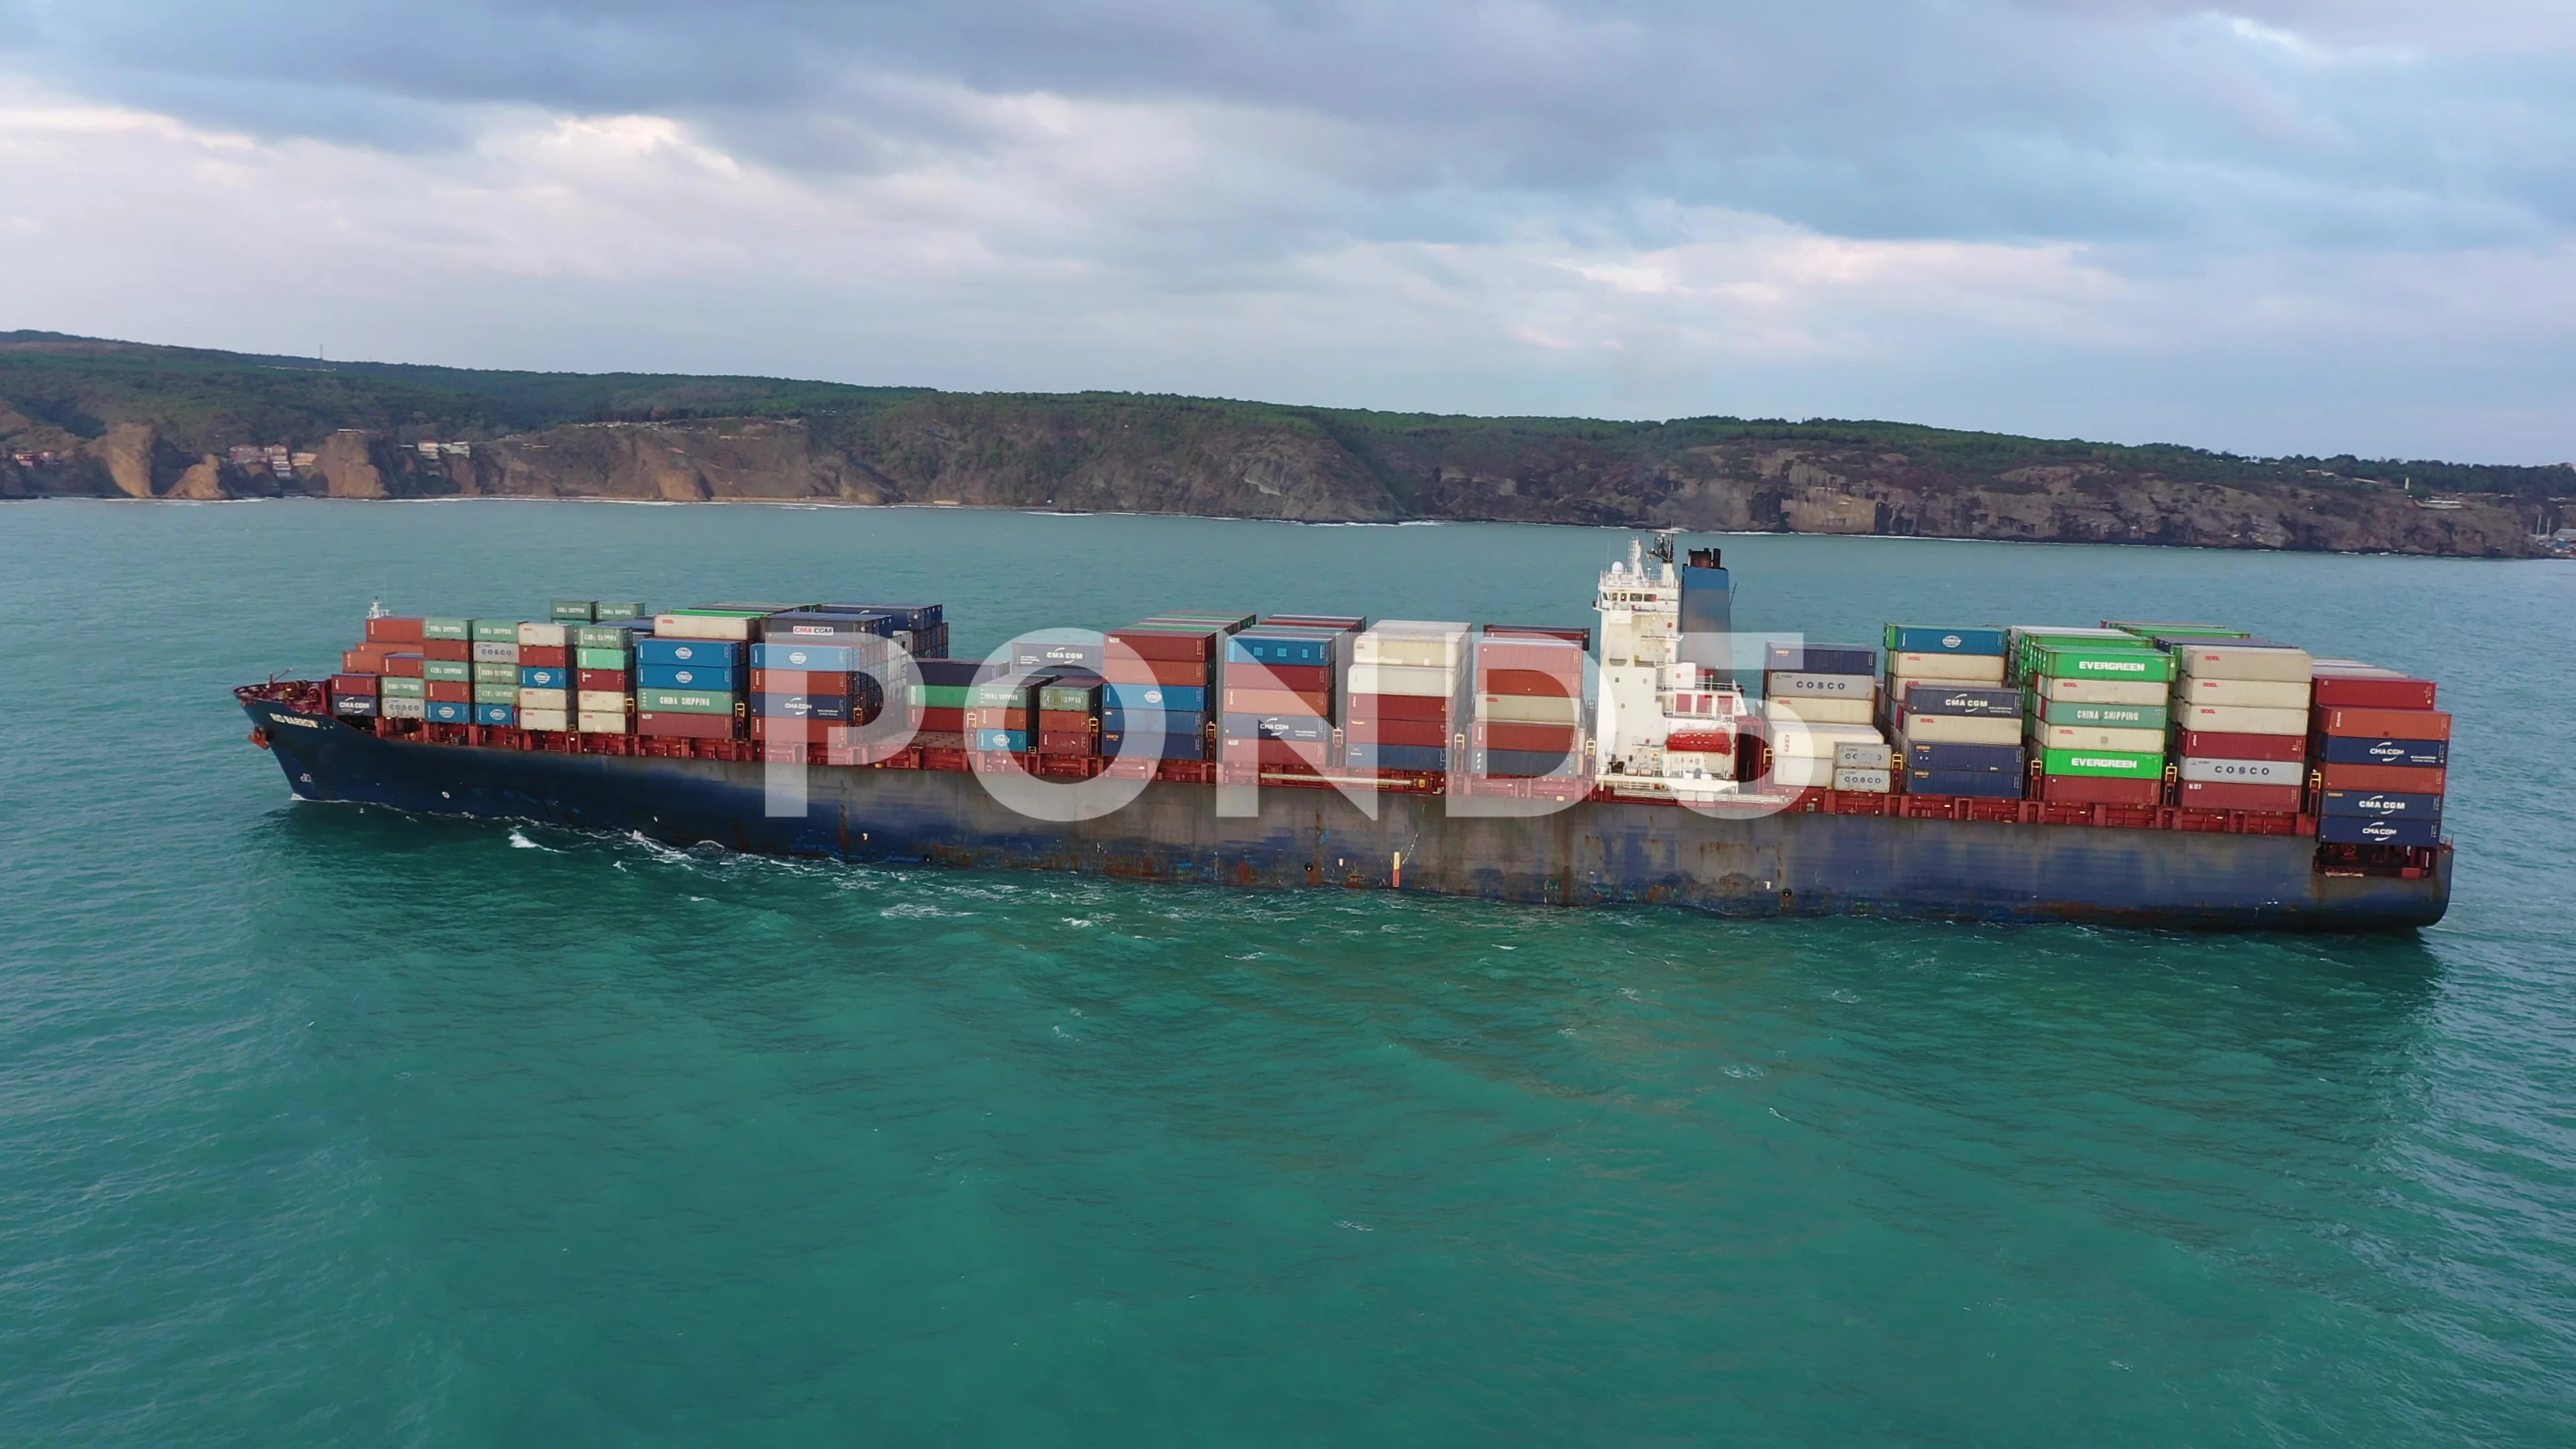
<point x="2385" y="724"/>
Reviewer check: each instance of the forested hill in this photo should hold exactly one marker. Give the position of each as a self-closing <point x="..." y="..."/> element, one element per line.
<point x="83" y="416"/>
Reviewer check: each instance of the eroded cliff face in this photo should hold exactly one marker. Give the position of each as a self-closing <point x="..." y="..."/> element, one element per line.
<point x="975" y="452"/>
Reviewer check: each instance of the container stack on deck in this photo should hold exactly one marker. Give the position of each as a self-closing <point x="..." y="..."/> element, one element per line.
<point x="1279" y="685"/>
<point x="603" y="670"/>
<point x="1406" y="680"/>
<point x="1160" y="678"/>
<point x="693" y="674"/>
<point x="1820" y="709"/>
<point x="2080" y="689"/>
<point x="2240" y="722"/>
<point x="817" y="670"/>
<point x="2382" y="755"/>
<point x="1955" y="726"/>
<point x="1529" y="701"/>
<point x="545" y="668"/>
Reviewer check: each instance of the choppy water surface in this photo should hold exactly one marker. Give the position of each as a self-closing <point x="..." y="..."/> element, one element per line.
<point x="329" y="1126"/>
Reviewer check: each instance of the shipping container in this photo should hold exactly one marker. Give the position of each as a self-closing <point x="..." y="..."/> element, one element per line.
<point x="1411" y="644"/>
<point x="608" y="610"/>
<point x="447" y="630"/>
<point x="497" y="631"/>
<point x="2130" y="665"/>
<point x="2382" y="804"/>
<point x="1948" y="668"/>
<point x="536" y="678"/>
<point x="600" y="701"/>
<point x="354" y="705"/>
<point x="1408" y="731"/>
<point x="1819" y="711"/>
<point x="1079" y="698"/>
<point x="2235" y="719"/>
<point x="2254" y="693"/>
<point x="2104" y="691"/>
<point x="828" y="627"/>
<point x="447" y="690"/>
<point x="2271" y="799"/>
<point x="1864" y="755"/>
<point x="2409" y="724"/>
<point x="1315" y="703"/>
<point x="1546" y="709"/>
<point x="2222" y="745"/>
<point x="394" y="686"/>
<point x="1995" y="702"/>
<point x="605" y="636"/>
<point x="1254" y="726"/>
<point x="1299" y="678"/>
<point x="1526" y="764"/>
<point x="723" y="654"/>
<point x="688" y="676"/>
<point x="1922" y="756"/>
<point x="684" y="701"/>
<point x="685" y="724"/>
<point x="354" y="684"/>
<point x="2363" y="750"/>
<point x="2104" y="764"/>
<point x="840" y="658"/>
<point x="393" y="707"/>
<point x="1178" y="673"/>
<point x="554" y="699"/>
<point x="2103" y="716"/>
<point x="391" y="630"/>
<point x="1015" y="742"/>
<point x="496" y="714"/>
<point x="1281" y="647"/>
<point x="1783" y="684"/>
<point x="545" y="656"/>
<point x="2399" y="779"/>
<point x="2244" y="772"/>
<point x="488" y="652"/>
<point x="604" y="722"/>
<point x="447" y="711"/>
<point x="450" y="651"/>
<point x="573" y="611"/>
<point x="1512" y="735"/>
<point x="406" y="666"/>
<point x="1416" y="758"/>
<point x="1957" y="729"/>
<point x="2174" y="631"/>
<point x="622" y="681"/>
<point x="545" y="636"/>
<point x="1942" y="639"/>
<point x="1981" y="784"/>
<point x="2074" y="789"/>
<point x="1820" y="659"/>
<point x="2093" y="737"/>
<point x="1862" y="780"/>
<point x="2238" y="661"/>
<point x="1400" y="706"/>
<point x="1033" y="654"/>
<point x="619" y="660"/>
<point x="1177" y="699"/>
<point x="1422" y="681"/>
<point x="703" y="625"/>
<point x="793" y="729"/>
<point x="496" y="694"/>
<point x="554" y="720"/>
<point x="2368" y="830"/>
<point x="2397" y="692"/>
<point x="1172" y="645"/>
<point x="496" y="674"/>
<point x="1060" y="721"/>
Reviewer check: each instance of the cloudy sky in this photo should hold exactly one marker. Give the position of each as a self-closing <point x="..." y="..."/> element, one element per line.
<point x="2288" y="225"/>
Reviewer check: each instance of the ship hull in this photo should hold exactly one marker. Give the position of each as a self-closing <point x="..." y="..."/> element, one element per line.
<point x="1595" y="852"/>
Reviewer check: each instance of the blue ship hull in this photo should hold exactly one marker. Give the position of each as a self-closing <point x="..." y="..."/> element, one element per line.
<point x="1591" y="853"/>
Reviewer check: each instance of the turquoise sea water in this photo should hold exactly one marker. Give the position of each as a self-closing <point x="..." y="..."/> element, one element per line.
<point x="322" y="1125"/>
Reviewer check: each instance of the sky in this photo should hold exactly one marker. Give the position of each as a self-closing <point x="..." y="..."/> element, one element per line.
<point x="2286" y="226"/>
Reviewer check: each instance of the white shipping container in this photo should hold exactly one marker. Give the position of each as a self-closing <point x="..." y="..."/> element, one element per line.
<point x="1789" y="739"/>
<point x="544" y="719"/>
<point x="396" y="707"/>
<point x="544" y="636"/>
<point x="700" y="626"/>
<point x="1963" y="729"/>
<point x="2245" y="772"/>
<point x="1529" y="708"/>
<point x="1867" y="782"/>
<point x="601" y="701"/>
<point x="605" y="722"/>
<point x="1414" y="643"/>
<point x="557" y="700"/>
<point x="1820" y="711"/>
<point x="1864" y="755"/>
<point x="2235" y="661"/>
<point x="2094" y="737"/>
<point x="1801" y="771"/>
<point x="1961" y="668"/>
<point x="491" y="652"/>
<point x="2238" y="719"/>
<point x="1782" y="684"/>
<point x="1418" y="681"/>
<point x="2104" y="691"/>
<point x="2259" y="693"/>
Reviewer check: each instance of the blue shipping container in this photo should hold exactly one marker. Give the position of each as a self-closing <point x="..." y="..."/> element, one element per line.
<point x="2352" y="750"/>
<point x="353" y="705"/>
<point x="1986" y="784"/>
<point x="905" y="616"/>
<point x="723" y="653"/>
<point x="805" y="706"/>
<point x="1276" y="727"/>
<point x="824" y="658"/>
<point x="796" y="623"/>
<point x="1944" y="758"/>
<point x="2380" y="804"/>
<point x="1168" y="746"/>
<point x="1011" y="741"/>
<point x="547" y="676"/>
<point x="1031" y="654"/>
<point x="1523" y="763"/>
<point x="1172" y="698"/>
<point x="1264" y="647"/>
<point x="496" y="714"/>
<point x="952" y="672"/>
<point x="2369" y="830"/>
<point x="688" y="676"/>
<point x="1963" y="699"/>
<point x="1821" y="659"/>
<point x="1935" y="639"/>
<point x="1398" y="757"/>
<point x="448" y="711"/>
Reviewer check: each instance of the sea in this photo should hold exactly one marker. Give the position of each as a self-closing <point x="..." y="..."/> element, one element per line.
<point x="327" y="1125"/>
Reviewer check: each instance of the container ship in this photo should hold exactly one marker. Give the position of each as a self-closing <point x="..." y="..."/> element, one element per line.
<point x="2129" y="773"/>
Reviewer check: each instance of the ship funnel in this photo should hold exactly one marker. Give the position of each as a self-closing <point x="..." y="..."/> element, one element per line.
<point x="1708" y="615"/>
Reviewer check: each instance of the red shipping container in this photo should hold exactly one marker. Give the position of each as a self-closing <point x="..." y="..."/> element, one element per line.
<point x="1579" y="637"/>
<point x="1531" y="682"/>
<point x="1400" y="706"/>
<point x="448" y="691"/>
<point x="1186" y="673"/>
<point x="362" y="660"/>
<point x="393" y="631"/>
<point x="2221" y="745"/>
<point x="804" y="681"/>
<point x="2394" y="779"/>
<point x="1425" y="732"/>
<point x="1343" y="623"/>
<point x="2094" y="790"/>
<point x="604" y="679"/>
<point x="2384" y="724"/>
<point x="2237" y="795"/>
<point x="1512" y="735"/>
<point x="935" y="718"/>
<point x="780" y="731"/>
<point x="1302" y="678"/>
<point x="545" y="656"/>
<point x="353" y="684"/>
<point x="1162" y="644"/>
<point x="1312" y="705"/>
<point x="454" y="651"/>
<point x="1562" y="660"/>
<point x="1068" y="742"/>
<point x="941" y="740"/>
<point x="1066" y="722"/>
<point x="403" y="666"/>
<point x="1280" y="752"/>
<point x="2361" y="692"/>
<point x="671" y="724"/>
<point x="996" y="717"/>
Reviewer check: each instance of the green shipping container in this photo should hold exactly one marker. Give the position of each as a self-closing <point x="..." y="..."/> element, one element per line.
<point x="394" y="688"/>
<point x="497" y="694"/>
<point x="605" y="609"/>
<point x="2145" y="663"/>
<point x="2104" y="764"/>
<point x="602" y="636"/>
<point x="2102" y="716"/>
<point x="1069" y="696"/>
<point x="451" y="671"/>
<point x="602" y="659"/>
<point x="497" y="674"/>
<point x="949" y="696"/>
<point x="719" y="613"/>
<point x="443" y="628"/>
<point x="574" y="611"/>
<point x="496" y="631"/>
<point x="683" y="701"/>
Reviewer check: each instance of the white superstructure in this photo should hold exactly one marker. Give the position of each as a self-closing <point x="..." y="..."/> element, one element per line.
<point x="1647" y="694"/>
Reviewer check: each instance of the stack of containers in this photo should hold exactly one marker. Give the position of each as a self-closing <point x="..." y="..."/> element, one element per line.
<point x="1277" y="685"/>
<point x="1000" y="714"/>
<point x="603" y="676"/>
<point x="692" y="676"/>
<point x="496" y="672"/>
<point x="2382" y="754"/>
<point x="2080" y="687"/>
<point x="1529" y="701"/>
<point x="401" y="690"/>
<point x="1404" y="689"/>
<point x="816" y="670"/>
<point x="447" y="669"/>
<point x="1159" y="704"/>
<point x="546" y="686"/>
<point x="922" y="629"/>
<point x="1820" y="702"/>
<point x="944" y="725"/>
<point x="1068" y="723"/>
<point x="2240" y="723"/>
<point x="1954" y="726"/>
